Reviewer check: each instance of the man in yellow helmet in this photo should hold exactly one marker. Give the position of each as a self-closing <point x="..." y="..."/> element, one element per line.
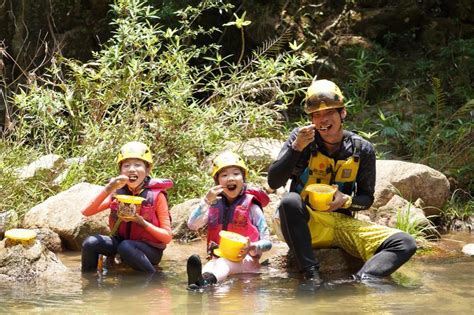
<point x="324" y="153"/>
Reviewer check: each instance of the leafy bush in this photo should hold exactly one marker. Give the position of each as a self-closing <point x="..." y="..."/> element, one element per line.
<point x="156" y="85"/>
<point x="459" y="207"/>
<point x="424" y="119"/>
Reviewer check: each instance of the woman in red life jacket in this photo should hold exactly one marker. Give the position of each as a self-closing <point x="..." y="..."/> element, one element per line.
<point x="139" y="239"/>
<point x="234" y="207"/>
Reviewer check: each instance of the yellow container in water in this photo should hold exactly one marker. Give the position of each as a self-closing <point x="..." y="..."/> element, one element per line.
<point x="230" y="245"/>
<point x="128" y="205"/>
<point x="23" y="236"/>
<point x="320" y="195"/>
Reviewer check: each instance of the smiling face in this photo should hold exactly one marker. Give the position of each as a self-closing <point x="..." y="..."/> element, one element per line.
<point x="232" y="181"/>
<point x="328" y="122"/>
<point x="136" y="170"/>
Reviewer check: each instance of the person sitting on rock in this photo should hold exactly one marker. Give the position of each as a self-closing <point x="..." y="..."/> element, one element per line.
<point x="142" y="236"/>
<point x="324" y="153"/>
<point x="230" y="206"/>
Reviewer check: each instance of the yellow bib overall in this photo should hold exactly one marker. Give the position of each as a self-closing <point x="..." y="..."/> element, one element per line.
<point x="332" y="229"/>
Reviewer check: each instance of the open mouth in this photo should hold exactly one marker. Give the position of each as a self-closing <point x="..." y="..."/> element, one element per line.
<point x="231" y="187"/>
<point x="132" y="178"/>
<point x="324" y="128"/>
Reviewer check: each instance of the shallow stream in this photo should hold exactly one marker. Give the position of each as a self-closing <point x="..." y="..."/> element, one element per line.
<point x="428" y="285"/>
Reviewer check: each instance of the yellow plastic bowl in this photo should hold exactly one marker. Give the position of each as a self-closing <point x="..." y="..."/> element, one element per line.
<point x="128" y="205"/>
<point x="230" y="245"/>
<point x="134" y="200"/>
<point x="320" y="195"/>
<point x="23" y="236"/>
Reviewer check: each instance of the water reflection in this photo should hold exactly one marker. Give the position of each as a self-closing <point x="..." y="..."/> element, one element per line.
<point x="421" y="286"/>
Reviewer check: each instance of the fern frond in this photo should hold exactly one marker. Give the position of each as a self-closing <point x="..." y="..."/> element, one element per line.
<point x="466" y="109"/>
<point x="274" y="46"/>
<point x="270" y="47"/>
<point x="440" y="97"/>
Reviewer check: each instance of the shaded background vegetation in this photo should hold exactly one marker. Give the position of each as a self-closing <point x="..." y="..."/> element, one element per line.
<point x="79" y="79"/>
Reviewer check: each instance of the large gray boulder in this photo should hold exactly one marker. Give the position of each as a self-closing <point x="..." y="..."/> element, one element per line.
<point x="62" y="214"/>
<point x="411" y="181"/>
<point x="28" y="262"/>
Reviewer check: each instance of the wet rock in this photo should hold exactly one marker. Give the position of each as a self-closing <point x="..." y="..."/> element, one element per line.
<point x="62" y="214"/>
<point x="331" y="260"/>
<point x="459" y="225"/>
<point x="50" y="239"/>
<point x="28" y="262"/>
<point x="468" y="249"/>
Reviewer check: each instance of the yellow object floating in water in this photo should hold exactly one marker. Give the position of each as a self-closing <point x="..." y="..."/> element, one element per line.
<point x="20" y="234"/>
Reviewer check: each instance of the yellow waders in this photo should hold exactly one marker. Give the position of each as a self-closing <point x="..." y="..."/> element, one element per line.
<point x="358" y="238"/>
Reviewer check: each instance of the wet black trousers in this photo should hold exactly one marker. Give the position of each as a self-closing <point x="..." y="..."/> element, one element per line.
<point x="391" y="254"/>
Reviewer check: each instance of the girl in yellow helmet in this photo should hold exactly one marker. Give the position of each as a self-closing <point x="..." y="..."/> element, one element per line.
<point x="139" y="238"/>
<point x="229" y="206"/>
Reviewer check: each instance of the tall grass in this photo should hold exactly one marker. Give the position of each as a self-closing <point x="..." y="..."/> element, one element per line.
<point x="422" y="232"/>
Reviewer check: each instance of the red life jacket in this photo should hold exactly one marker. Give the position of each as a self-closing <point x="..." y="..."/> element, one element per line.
<point x="236" y="217"/>
<point x="131" y="230"/>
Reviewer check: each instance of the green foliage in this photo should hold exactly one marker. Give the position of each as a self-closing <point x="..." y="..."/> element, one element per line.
<point x="421" y="231"/>
<point x="459" y="207"/>
<point x="17" y="195"/>
<point x="156" y="85"/>
<point x="426" y="120"/>
<point x="366" y="71"/>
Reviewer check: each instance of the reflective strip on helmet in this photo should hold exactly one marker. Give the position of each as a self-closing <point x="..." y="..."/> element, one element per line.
<point x="315" y="103"/>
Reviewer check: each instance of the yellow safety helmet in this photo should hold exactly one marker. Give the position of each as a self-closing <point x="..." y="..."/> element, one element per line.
<point x="135" y="150"/>
<point x="321" y="95"/>
<point x="226" y="159"/>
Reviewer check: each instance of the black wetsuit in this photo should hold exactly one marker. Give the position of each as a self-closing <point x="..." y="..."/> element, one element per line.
<point x="390" y="255"/>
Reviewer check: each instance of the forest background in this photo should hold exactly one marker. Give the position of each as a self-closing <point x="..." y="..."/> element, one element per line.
<point x="80" y="78"/>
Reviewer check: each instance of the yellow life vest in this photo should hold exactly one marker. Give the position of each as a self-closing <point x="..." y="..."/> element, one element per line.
<point x="325" y="170"/>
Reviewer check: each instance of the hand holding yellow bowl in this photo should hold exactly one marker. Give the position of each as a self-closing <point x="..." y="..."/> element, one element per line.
<point x="320" y="195"/>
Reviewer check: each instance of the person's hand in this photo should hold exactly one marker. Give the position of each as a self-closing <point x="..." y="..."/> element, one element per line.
<point x="213" y="194"/>
<point x="138" y="219"/>
<point x="246" y="249"/>
<point x="304" y="137"/>
<point x="116" y="183"/>
<point x="339" y="200"/>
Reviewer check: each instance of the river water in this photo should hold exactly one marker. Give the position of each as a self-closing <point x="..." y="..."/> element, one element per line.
<point x="425" y="285"/>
